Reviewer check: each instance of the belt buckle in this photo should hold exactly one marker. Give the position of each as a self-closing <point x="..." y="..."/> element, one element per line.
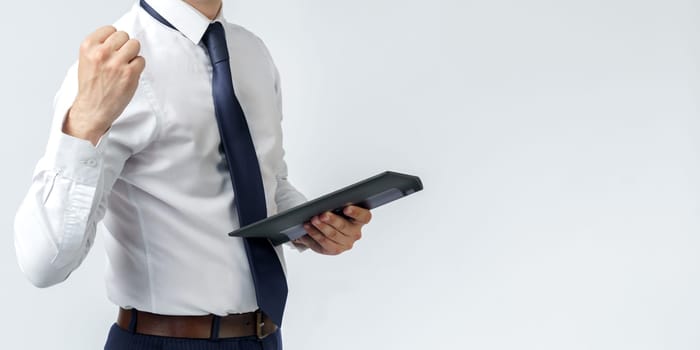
<point x="259" y="324"/>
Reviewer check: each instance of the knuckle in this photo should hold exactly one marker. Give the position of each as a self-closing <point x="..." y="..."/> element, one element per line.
<point x="112" y="67"/>
<point x="85" y="46"/>
<point x="119" y="35"/>
<point x="320" y="225"/>
<point x="99" y="54"/>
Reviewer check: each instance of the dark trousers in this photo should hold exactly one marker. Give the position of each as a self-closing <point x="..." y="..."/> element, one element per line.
<point x="120" y="339"/>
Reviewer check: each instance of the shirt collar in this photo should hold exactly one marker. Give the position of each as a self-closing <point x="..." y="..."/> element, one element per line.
<point x="190" y="22"/>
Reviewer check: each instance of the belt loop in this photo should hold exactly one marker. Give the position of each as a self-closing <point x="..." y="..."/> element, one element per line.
<point x="215" y="325"/>
<point x="132" y="322"/>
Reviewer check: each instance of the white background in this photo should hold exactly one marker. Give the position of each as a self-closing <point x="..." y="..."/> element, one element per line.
<point x="558" y="142"/>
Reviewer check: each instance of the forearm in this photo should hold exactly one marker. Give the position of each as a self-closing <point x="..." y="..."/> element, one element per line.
<point x="55" y="224"/>
<point x="78" y="125"/>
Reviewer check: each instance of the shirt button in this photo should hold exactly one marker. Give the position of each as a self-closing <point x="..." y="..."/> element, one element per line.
<point x="91" y="163"/>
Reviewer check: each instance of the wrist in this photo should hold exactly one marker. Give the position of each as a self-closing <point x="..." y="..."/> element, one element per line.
<point x="81" y="126"/>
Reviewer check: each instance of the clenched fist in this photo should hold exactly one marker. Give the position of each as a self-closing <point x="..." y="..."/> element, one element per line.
<point x="108" y="74"/>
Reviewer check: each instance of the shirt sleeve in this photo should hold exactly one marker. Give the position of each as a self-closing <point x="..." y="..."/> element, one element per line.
<point x="286" y="196"/>
<point x="56" y="222"/>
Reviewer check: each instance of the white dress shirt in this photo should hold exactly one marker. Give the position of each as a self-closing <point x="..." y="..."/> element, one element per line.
<point x="157" y="178"/>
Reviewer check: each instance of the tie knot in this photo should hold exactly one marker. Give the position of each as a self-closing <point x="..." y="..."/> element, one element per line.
<point x="215" y="41"/>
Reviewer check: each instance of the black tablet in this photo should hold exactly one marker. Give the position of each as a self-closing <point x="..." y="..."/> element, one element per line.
<point x="369" y="193"/>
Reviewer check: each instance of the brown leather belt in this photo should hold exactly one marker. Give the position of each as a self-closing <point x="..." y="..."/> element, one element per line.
<point x="198" y="327"/>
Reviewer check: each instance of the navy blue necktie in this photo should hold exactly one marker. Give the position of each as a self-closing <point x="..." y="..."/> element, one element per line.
<point x="266" y="268"/>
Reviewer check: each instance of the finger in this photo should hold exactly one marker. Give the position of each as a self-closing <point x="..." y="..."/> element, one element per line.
<point x="299" y="241"/>
<point x="361" y="215"/>
<point x="337" y="221"/>
<point x="139" y="63"/>
<point x="311" y="243"/>
<point x="328" y="246"/>
<point x="100" y="35"/>
<point x="116" y="40"/>
<point x="331" y="233"/>
<point x="129" y="50"/>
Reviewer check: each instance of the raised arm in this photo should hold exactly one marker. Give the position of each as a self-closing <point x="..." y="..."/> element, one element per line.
<point x="56" y="222"/>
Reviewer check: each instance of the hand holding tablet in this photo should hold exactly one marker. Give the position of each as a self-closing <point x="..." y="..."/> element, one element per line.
<point x="369" y="194"/>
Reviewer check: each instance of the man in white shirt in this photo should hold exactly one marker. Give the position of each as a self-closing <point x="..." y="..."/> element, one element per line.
<point x="135" y="143"/>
